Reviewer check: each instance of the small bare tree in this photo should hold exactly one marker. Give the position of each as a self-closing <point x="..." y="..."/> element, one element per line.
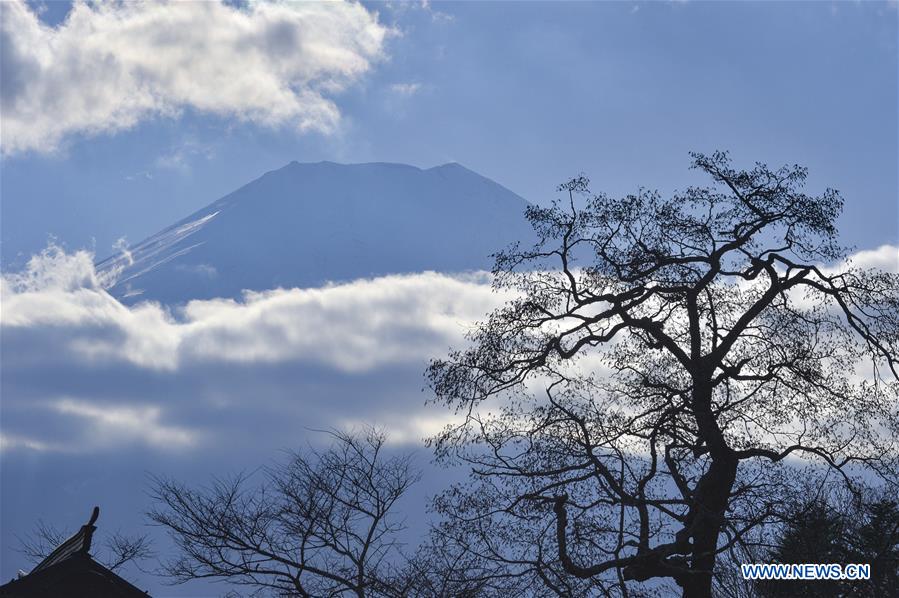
<point x="116" y="549"/>
<point x="320" y="524"/>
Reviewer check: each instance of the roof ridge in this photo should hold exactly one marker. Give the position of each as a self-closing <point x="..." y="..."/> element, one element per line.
<point x="77" y="543"/>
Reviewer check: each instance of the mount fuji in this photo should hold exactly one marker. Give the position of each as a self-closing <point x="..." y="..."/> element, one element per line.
<point x="308" y="224"/>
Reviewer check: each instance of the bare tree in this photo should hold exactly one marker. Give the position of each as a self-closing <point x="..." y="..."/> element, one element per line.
<point x="321" y="524"/>
<point x="670" y="370"/>
<point x="440" y="569"/>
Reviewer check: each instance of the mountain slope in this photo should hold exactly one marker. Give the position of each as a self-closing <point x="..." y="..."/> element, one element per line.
<point x="307" y="224"/>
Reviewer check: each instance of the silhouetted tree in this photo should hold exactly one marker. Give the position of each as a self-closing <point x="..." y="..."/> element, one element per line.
<point x="668" y="373"/>
<point x="815" y="533"/>
<point x="321" y="524"/>
<point x="876" y="542"/>
<point x="853" y="529"/>
<point x="439" y="569"/>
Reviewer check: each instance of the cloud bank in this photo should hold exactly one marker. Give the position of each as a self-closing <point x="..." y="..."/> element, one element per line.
<point x="164" y="377"/>
<point x="111" y="65"/>
<point x="81" y="371"/>
<point x="354" y="327"/>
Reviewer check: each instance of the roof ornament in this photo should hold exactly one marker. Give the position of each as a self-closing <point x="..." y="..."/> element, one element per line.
<point x="79" y="543"/>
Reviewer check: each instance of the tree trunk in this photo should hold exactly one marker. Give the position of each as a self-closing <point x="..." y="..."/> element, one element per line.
<point x="712" y="494"/>
<point x="711" y="497"/>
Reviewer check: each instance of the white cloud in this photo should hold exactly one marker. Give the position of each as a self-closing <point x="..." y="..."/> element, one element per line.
<point x="110" y="65"/>
<point x="79" y="365"/>
<point x="54" y="270"/>
<point x="8" y="443"/>
<point x="142" y="175"/>
<point x="405" y="89"/>
<point x="422" y="5"/>
<point x="404" y="429"/>
<point x="351" y="327"/>
<point x="885" y="257"/>
<point x="114" y="423"/>
<point x="180" y="156"/>
<point x="316" y="356"/>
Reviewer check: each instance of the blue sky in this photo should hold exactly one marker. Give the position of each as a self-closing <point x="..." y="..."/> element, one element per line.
<point x="528" y="95"/>
<point x="124" y="127"/>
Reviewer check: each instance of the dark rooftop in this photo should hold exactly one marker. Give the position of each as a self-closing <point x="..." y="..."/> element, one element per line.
<point x="70" y="572"/>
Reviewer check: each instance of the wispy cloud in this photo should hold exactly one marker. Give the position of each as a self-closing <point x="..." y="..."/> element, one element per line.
<point x="8" y="443"/>
<point x="425" y="6"/>
<point x="143" y="175"/>
<point x="406" y="89"/>
<point x="181" y="155"/>
<point x="114" y="423"/>
<point x="110" y="65"/>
